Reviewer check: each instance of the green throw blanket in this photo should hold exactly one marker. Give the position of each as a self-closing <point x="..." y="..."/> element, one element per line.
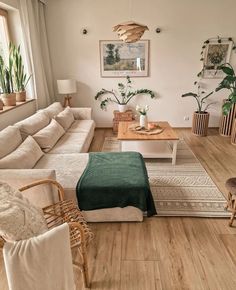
<point x="116" y="179"/>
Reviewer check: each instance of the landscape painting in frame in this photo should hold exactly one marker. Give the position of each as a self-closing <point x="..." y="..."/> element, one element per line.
<point x="216" y="55"/>
<point x="120" y="59"/>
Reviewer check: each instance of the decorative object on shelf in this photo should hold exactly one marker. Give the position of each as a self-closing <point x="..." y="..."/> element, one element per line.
<point x="121" y="116"/>
<point x="156" y="129"/>
<point x="201" y="116"/>
<point x="66" y="87"/>
<point x="6" y="82"/>
<point x="130" y="31"/>
<point x="229" y="106"/>
<point x="121" y="97"/>
<point x="143" y="121"/>
<point x="215" y="52"/>
<point x="119" y="59"/>
<point x="20" y="77"/>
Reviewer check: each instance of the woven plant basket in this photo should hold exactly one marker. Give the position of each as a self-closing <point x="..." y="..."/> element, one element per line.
<point x="233" y="134"/>
<point x="200" y="123"/>
<point x="226" y="122"/>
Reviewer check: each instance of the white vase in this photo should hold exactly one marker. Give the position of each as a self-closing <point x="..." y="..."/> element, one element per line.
<point x="122" y="108"/>
<point x="143" y="122"/>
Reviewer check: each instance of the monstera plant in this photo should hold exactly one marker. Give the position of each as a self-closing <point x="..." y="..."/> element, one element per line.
<point x="122" y="96"/>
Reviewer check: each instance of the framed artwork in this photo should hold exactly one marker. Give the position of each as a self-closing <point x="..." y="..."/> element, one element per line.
<point x="119" y="59"/>
<point x="216" y="54"/>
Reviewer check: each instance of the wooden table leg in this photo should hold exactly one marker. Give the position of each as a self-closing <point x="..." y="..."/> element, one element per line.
<point x="174" y="152"/>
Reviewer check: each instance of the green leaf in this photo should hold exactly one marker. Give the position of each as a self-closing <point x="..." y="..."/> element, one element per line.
<point x="227" y="70"/>
<point x="226" y="108"/>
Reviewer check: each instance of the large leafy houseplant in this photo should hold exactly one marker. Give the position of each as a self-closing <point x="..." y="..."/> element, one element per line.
<point x="200" y="116"/>
<point x="121" y="97"/>
<point x="229" y="83"/>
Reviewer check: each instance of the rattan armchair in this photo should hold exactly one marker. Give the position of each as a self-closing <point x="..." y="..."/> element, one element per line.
<point x="67" y="211"/>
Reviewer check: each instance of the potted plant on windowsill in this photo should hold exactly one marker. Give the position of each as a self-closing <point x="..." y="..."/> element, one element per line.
<point x="200" y="116"/>
<point x="20" y="78"/>
<point x="6" y="83"/>
<point x="229" y="83"/>
<point x="121" y="97"/>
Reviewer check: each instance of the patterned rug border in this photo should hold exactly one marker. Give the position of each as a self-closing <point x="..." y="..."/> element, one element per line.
<point x="180" y="202"/>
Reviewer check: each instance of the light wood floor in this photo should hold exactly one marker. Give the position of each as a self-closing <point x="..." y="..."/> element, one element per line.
<point x="168" y="253"/>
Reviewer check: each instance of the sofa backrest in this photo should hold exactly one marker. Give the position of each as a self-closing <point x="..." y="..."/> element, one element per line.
<point x="33" y="124"/>
<point x="53" y="110"/>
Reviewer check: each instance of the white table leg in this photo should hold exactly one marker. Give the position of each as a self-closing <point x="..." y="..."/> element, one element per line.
<point x="175" y="143"/>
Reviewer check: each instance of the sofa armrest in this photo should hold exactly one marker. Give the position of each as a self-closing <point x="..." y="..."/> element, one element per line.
<point x="82" y="113"/>
<point x="42" y="195"/>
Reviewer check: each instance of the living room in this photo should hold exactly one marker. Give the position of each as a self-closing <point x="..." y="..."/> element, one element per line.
<point x="120" y="96"/>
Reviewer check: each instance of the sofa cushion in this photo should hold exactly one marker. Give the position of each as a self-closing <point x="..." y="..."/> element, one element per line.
<point x="71" y="143"/>
<point x="10" y="139"/>
<point x="33" y="124"/>
<point x="82" y="126"/>
<point x="68" y="167"/>
<point x="65" y="118"/>
<point x="24" y="157"/>
<point x="49" y="135"/>
<point x="19" y="219"/>
<point x="53" y="110"/>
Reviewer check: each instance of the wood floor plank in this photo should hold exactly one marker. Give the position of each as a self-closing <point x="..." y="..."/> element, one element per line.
<point x="178" y="268"/>
<point x="217" y="267"/>
<point x="140" y="275"/>
<point x="138" y="241"/>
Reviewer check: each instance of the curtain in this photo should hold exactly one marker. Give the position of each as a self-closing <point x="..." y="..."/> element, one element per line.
<point x="37" y="51"/>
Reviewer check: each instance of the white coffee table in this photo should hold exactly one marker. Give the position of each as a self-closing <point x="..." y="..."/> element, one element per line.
<point x="162" y="145"/>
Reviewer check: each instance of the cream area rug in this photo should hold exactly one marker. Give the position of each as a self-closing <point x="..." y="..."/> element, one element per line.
<point x="184" y="189"/>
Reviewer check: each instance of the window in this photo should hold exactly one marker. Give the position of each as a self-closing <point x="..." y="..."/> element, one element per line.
<point x="4" y="34"/>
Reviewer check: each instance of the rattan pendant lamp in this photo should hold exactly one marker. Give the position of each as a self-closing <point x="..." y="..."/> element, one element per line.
<point x="130" y="31"/>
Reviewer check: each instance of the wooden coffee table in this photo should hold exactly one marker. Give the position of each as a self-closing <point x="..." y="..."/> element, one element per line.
<point x="163" y="145"/>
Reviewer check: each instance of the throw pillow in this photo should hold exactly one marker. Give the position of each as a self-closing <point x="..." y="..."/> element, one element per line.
<point x="19" y="220"/>
<point x="10" y="139"/>
<point x="24" y="157"/>
<point x="53" y="110"/>
<point x="33" y="124"/>
<point x="65" y="118"/>
<point x="48" y="136"/>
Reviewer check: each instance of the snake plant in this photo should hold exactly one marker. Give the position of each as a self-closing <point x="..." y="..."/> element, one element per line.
<point x="6" y="76"/>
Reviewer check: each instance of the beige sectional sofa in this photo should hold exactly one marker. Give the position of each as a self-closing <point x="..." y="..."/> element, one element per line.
<point x="53" y="143"/>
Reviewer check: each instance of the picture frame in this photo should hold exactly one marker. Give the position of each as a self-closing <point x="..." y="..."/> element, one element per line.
<point x="216" y="54"/>
<point x="120" y="59"/>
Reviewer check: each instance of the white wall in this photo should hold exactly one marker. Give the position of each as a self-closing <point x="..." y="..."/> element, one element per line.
<point x="174" y="54"/>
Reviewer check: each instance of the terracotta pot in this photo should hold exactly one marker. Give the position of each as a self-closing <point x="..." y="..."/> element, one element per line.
<point x="226" y="122"/>
<point x="200" y="123"/>
<point x="9" y="99"/>
<point x="1" y="105"/>
<point x="233" y="134"/>
<point x="21" y="96"/>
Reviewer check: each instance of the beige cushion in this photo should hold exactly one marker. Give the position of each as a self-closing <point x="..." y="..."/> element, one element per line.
<point x="65" y="118"/>
<point x="48" y="136"/>
<point x="82" y="126"/>
<point x="53" y="110"/>
<point x="10" y="139"/>
<point x="19" y="220"/>
<point x="70" y="143"/>
<point x="25" y="156"/>
<point x="33" y="124"/>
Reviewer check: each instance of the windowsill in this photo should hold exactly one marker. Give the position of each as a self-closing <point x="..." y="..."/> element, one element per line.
<point x="18" y="104"/>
